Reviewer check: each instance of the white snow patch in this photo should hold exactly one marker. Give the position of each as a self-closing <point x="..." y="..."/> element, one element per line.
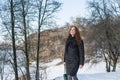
<point x="88" y="72"/>
<point x="52" y="63"/>
<point x="55" y="72"/>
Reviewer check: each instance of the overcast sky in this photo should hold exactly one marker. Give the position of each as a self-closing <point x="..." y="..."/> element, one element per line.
<point x="71" y="8"/>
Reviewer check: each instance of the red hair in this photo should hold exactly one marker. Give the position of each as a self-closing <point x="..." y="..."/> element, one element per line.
<point x="77" y="34"/>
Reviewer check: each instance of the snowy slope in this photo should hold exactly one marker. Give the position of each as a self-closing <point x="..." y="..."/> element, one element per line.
<point x="94" y="72"/>
<point x="55" y="72"/>
<point x="98" y="76"/>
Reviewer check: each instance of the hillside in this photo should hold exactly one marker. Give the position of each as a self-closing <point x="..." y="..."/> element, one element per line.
<point x="51" y="44"/>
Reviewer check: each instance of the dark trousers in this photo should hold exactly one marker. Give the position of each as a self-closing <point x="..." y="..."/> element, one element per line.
<point x="72" y="77"/>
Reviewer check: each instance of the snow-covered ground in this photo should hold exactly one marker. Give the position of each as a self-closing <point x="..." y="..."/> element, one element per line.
<point x="98" y="76"/>
<point x="55" y="72"/>
<point x="89" y="72"/>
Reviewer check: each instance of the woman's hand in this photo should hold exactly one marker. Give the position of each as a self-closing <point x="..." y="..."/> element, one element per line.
<point x="64" y="63"/>
<point x="81" y="66"/>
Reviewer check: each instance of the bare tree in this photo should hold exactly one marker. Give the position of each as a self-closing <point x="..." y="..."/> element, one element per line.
<point x="42" y="10"/>
<point x="13" y="38"/>
<point x="25" y="38"/>
<point x="16" y="9"/>
<point x="104" y="15"/>
<point x="3" y="49"/>
<point x="46" y="9"/>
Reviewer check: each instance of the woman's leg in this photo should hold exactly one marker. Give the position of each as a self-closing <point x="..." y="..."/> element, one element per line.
<point x="69" y="77"/>
<point x="75" y="77"/>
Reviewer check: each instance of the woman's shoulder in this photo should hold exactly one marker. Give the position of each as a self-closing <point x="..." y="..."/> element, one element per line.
<point x="81" y="42"/>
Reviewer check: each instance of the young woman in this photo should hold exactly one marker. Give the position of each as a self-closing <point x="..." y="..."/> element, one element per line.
<point x="74" y="53"/>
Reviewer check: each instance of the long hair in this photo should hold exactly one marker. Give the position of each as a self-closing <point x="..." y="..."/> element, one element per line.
<point x="77" y="34"/>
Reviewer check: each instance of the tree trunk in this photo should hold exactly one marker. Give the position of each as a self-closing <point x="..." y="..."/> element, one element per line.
<point x="25" y="37"/>
<point x="38" y="52"/>
<point x="108" y="66"/>
<point x="38" y="47"/>
<point x="38" y="41"/>
<point x="13" y="40"/>
<point x="114" y="65"/>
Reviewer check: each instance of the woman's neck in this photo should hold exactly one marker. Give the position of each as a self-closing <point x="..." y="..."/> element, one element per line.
<point x="72" y="35"/>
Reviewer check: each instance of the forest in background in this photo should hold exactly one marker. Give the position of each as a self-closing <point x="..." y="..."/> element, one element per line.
<point x="100" y="33"/>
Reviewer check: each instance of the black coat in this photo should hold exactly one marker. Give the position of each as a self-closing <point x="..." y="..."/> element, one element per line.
<point x="74" y="55"/>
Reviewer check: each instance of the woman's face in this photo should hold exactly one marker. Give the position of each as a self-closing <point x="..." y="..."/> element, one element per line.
<point x="72" y="31"/>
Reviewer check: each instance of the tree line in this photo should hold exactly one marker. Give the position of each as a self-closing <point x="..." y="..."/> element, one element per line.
<point x="20" y="18"/>
<point x="101" y="32"/>
<point x="17" y="18"/>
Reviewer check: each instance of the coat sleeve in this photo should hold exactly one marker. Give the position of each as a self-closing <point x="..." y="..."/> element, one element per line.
<point x="65" y="52"/>
<point x="81" y="53"/>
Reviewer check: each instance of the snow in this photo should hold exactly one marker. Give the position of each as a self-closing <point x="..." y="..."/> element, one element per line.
<point x="98" y="76"/>
<point x="55" y="71"/>
<point x="52" y="63"/>
<point x="88" y="72"/>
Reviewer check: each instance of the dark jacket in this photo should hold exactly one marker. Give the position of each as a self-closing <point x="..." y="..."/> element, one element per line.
<point x="74" y="55"/>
